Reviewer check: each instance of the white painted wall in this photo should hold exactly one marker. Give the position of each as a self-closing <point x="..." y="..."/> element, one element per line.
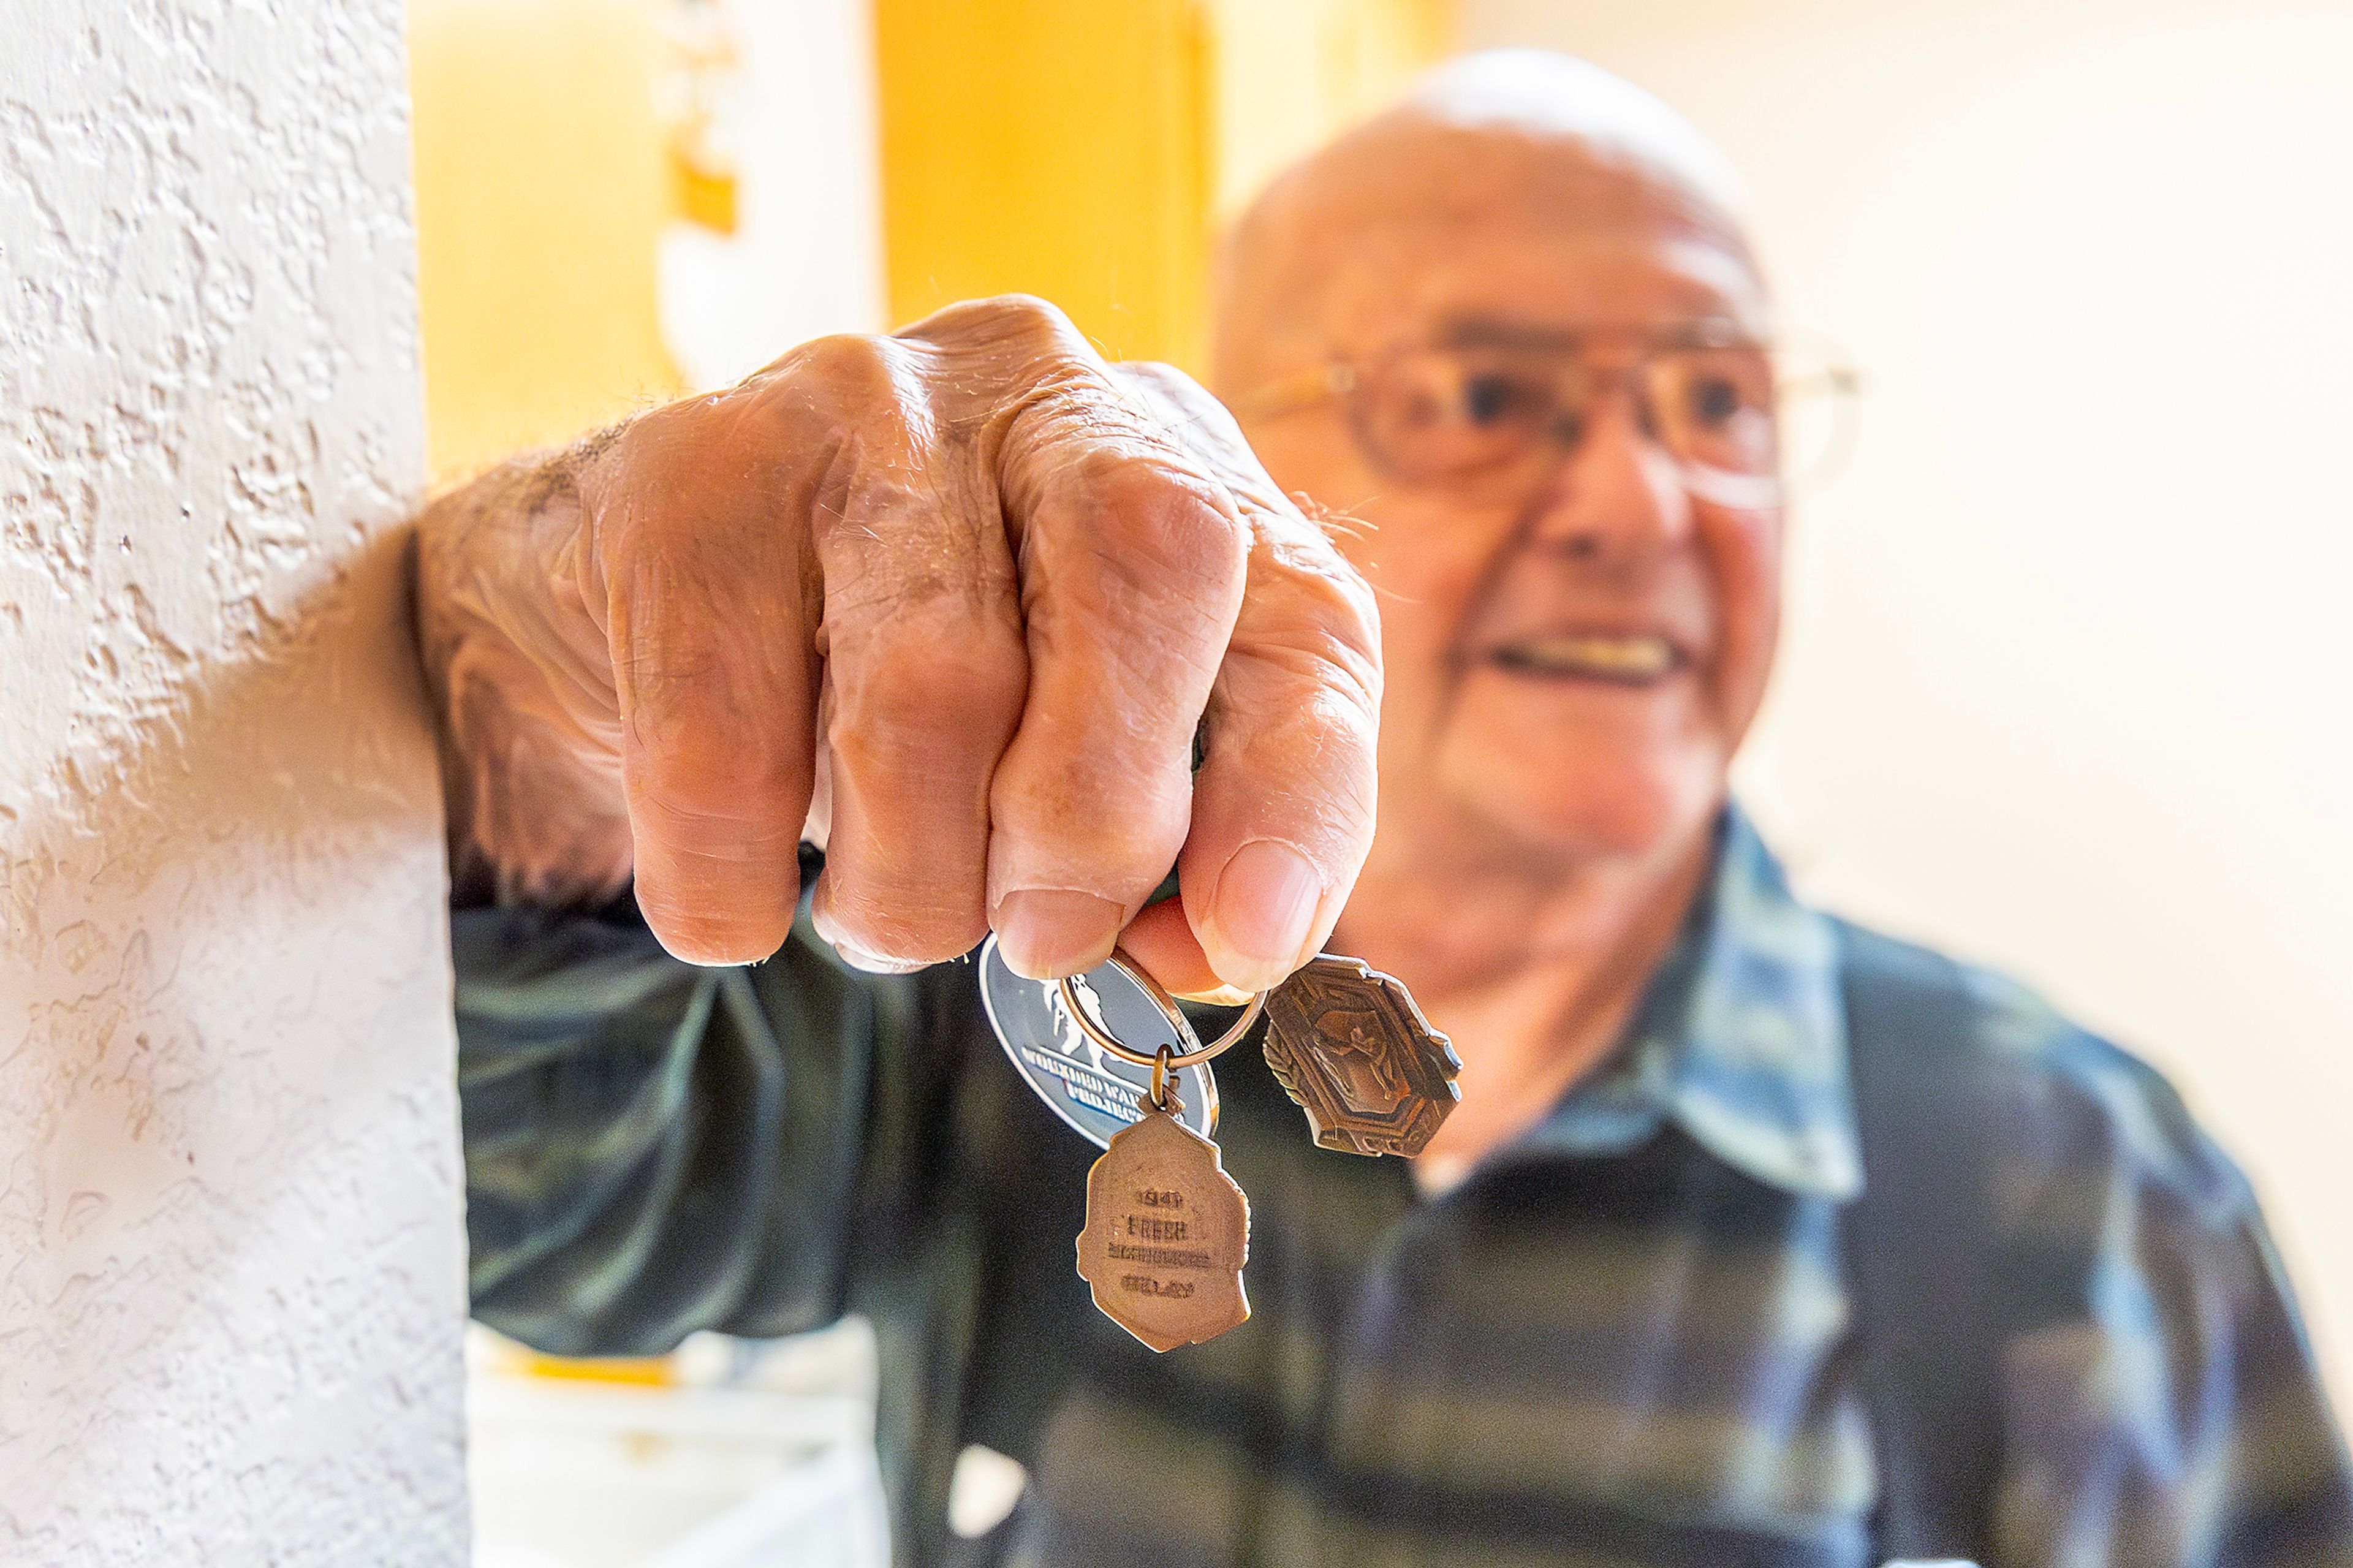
<point x="2066" y="683"/>
<point x="231" y="1257"/>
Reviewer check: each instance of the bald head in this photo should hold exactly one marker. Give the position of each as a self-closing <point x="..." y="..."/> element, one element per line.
<point x="1534" y="274"/>
<point x="1488" y="152"/>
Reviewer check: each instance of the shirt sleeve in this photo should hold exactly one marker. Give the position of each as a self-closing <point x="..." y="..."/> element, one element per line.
<point x="2162" y="1406"/>
<point x="654" y="1148"/>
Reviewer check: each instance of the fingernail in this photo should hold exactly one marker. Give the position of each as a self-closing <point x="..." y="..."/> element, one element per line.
<point x="1266" y="906"/>
<point x="1047" y="932"/>
<point x="1223" y="996"/>
<point x="858" y="957"/>
<point x="850" y="952"/>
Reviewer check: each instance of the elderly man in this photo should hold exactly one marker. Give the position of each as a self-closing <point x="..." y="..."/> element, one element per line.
<point x="960" y="599"/>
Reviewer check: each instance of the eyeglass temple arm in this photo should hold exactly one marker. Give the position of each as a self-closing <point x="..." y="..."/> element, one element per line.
<point x="1291" y="393"/>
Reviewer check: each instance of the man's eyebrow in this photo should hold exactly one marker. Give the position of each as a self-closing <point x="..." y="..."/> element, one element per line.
<point x="1498" y="332"/>
<point x="1492" y="332"/>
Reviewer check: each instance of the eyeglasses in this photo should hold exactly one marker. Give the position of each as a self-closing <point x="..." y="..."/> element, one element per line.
<point x="1743" y="421"/>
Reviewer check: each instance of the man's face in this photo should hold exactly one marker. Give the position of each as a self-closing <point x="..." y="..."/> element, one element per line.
<point x="1570" y="666"/>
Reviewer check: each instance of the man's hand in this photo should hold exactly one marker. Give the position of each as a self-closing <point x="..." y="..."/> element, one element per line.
<point x="969" y="591"/>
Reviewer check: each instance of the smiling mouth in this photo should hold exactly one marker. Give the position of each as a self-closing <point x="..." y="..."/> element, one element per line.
<point x="1638" y="660"/>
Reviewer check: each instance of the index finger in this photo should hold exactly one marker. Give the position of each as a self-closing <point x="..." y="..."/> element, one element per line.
<point x="1132" y="566"/>
<point x="705" y="613"/>
<point x="1283" y="805"/>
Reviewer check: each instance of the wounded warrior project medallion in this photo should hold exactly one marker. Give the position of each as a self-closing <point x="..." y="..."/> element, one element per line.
<point x="1084" y="1084"/>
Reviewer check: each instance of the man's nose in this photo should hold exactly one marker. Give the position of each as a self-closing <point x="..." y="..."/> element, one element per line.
<point x="1616" y="497"/>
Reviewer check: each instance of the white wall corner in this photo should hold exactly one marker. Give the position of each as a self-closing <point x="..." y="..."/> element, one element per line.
<point x="232" y="1256"/>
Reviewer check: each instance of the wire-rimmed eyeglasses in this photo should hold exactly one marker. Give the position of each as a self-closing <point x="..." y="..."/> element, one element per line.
<point x="1488" y="419"/>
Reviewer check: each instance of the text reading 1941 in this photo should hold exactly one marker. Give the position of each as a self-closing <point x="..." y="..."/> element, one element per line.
<point x="1166" y="1233"/>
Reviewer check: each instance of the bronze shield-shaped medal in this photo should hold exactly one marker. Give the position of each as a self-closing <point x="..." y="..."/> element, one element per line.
<point x="1352" y="1048"/>
<point x="1166" y="1233"/>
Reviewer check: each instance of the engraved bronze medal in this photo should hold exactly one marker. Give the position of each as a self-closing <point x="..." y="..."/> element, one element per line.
<point x="1352" y="1048"/>
<point x="1166" y="1232"/>
<point x="1167" y="1229"/>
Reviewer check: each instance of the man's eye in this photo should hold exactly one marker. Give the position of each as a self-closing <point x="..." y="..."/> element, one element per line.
<point x="1490" y="399"/>
<point x="1714" y="401"/>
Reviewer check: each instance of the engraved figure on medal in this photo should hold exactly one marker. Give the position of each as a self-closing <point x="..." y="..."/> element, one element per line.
<point x="1350" y="1046"/>
<point x="1088" y="1088"/>
<point x="1166" y="1233"/>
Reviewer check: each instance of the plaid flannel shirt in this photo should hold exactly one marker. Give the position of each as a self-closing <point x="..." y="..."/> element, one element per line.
<point x="1624" y="1339"/>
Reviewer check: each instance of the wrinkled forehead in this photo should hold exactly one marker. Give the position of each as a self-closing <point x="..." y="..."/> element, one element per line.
<point x="1438" y="282"/>
<point x="1427" y="229"/>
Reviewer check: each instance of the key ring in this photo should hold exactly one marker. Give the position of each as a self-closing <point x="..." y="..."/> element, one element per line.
<point x="1163" y="1062"/>
<point x="1165" y="1097"/>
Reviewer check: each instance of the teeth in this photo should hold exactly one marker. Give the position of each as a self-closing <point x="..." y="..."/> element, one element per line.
<point x="1611" y="658"/>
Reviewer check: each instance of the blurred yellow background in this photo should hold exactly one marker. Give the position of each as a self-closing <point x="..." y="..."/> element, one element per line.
<point x="1081" y="150"/>
<point x="542" y="184"/>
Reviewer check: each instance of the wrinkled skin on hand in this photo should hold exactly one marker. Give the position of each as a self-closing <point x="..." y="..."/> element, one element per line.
<point x="955" y="601"/>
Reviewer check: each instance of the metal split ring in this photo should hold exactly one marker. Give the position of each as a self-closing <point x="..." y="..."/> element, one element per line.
<point x="1165" y="1097"/>
<point x="1164" y="1061"/>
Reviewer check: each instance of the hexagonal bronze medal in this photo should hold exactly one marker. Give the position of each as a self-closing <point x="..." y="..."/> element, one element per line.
<point x="1166" y="1233"/>
<point x="1352" y="1048"/>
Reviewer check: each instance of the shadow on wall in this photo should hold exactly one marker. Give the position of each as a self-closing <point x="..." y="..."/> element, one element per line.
<point x="210" y="1217"/>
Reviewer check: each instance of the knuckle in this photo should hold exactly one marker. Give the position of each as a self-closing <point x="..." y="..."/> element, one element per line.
<point x="1101" y="809"/>
<point x="842" y="359"/>
<point x="726" y="815"/>
<point x="848" y="378"/>
<point x="1293" y="715"/>
<point x="1173" y="395"/>
<point x="1295" y="758"/>
<point x="1308" y="602"/>
<point x="1135" y="852"/>
<point x="941" y="686"/>
<point x="1026" y="314"/>
<point x="1158" y="520"/>
<point x="1020" y="320"/>
<point x="1128" y="848"/>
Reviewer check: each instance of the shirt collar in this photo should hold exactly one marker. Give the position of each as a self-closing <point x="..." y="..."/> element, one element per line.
<point x="1740" y="1040"/>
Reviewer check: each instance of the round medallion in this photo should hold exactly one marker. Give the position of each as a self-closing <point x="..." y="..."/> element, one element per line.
<point x="1084" y="1084"/>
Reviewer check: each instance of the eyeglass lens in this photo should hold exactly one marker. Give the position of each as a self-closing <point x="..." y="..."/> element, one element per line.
<point x="1488" y="420"/>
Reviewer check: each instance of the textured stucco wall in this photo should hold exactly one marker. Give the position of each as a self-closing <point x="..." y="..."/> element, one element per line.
<point x="231" y="1284"/>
